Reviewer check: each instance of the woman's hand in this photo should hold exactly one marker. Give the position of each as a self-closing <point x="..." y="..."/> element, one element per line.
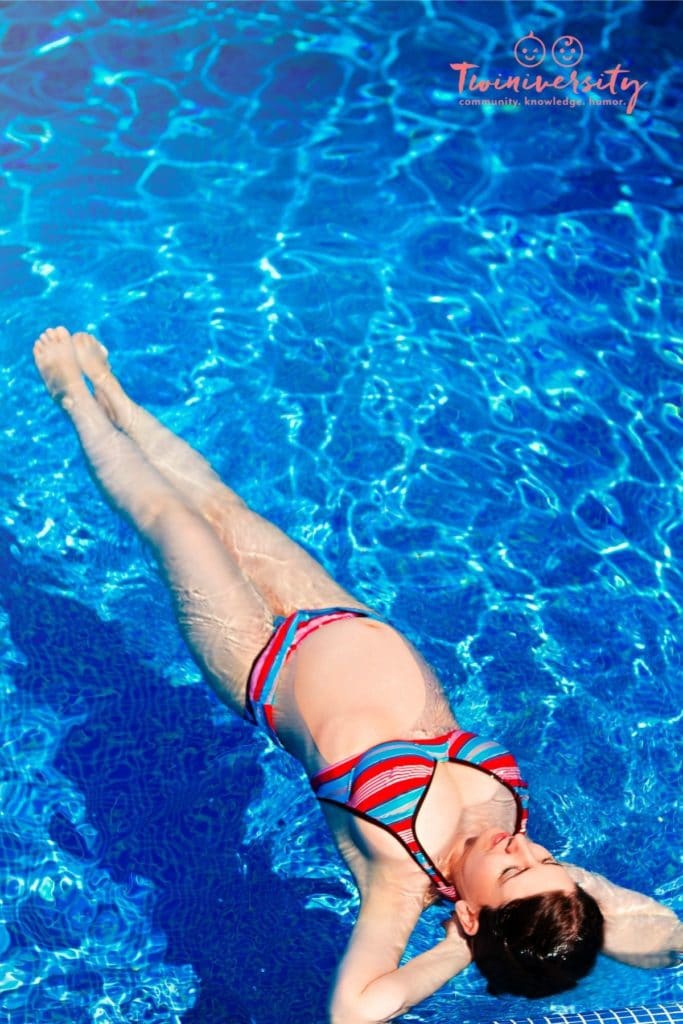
<point x="638" y="930"/>
<point x="451" y="927"/>
<point x="370" y="986"/>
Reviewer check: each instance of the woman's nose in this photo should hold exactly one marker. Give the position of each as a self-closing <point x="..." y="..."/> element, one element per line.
<point x="518" y="844"/>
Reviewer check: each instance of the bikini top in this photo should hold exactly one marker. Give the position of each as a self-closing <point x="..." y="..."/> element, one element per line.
<point x="389" y="782"/>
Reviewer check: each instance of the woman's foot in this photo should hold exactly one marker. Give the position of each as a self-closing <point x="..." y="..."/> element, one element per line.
<point x="92" y="357"/>
<point x="93" y="360"/>
<point x="55" y="358"/>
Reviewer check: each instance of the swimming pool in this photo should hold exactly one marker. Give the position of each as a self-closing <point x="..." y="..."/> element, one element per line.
<point x="440" y="343"/>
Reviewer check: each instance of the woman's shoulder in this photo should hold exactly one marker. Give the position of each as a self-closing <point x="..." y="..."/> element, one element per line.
<point x="374" y="857"/>
<point x="396" y="883"/>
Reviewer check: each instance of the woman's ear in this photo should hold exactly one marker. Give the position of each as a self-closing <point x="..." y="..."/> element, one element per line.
<point x="468" y="918"/>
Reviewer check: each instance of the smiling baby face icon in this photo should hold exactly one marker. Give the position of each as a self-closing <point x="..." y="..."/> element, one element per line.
<point x="529" y="51"/>
<point x="567" y="51"/>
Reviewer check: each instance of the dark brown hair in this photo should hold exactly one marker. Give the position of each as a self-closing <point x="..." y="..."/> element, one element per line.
<point x="539" y="945"/>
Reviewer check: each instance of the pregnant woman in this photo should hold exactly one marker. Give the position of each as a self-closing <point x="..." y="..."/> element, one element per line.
<point x="420" y="809"/>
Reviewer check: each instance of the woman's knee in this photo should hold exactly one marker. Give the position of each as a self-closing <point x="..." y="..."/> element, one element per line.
<point x="164" y="514"/>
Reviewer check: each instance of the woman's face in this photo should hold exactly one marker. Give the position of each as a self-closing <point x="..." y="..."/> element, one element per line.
<point x="497" y="867"/>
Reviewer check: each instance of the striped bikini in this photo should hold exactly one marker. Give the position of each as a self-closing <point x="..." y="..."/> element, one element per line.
<point x="289" y="632"/>
<point x="388" y="783"/>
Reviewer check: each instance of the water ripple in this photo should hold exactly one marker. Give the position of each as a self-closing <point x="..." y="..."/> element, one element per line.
<point x="441" y="345"/>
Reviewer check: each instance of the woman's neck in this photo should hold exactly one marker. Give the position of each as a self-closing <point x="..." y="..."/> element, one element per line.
<point x="497" y="811"/>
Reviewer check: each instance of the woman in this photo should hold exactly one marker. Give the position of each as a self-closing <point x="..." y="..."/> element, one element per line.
<point x="419" y="808"/>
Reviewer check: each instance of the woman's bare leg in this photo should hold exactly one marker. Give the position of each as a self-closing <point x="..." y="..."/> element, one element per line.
<point x="286" y="575"/>
<point x="223" y="617"/>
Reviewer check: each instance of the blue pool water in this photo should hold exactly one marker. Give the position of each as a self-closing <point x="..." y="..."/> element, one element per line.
<point x="440" y="344"/>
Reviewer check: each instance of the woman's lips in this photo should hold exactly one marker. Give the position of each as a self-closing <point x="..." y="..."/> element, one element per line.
<point x="499" y="837"/>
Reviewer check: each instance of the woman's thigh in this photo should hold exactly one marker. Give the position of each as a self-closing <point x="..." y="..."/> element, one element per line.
<point x="223" y="617"/>
<point x="283" y="572"/>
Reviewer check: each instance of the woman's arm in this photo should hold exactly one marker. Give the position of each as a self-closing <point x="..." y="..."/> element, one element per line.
<point x="638" y="929"/>
<point x="424" y="974"/>
<point x="370" y="987"/>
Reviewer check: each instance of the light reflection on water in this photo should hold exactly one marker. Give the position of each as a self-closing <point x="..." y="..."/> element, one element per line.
<point x="441" y="346"/>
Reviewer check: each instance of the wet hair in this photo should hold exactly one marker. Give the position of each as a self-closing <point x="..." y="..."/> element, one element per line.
<point x="539" y="945"/>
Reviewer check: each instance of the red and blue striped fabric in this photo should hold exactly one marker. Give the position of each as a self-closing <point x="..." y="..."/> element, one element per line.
<point x="387" y="784"/>
<point x="289" y="633"/>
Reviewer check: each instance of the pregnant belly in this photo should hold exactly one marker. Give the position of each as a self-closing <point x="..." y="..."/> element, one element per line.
<point x="358" y="682"/>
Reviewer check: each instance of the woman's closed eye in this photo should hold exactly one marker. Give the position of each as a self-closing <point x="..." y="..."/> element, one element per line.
<point x="514" y="869"/>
